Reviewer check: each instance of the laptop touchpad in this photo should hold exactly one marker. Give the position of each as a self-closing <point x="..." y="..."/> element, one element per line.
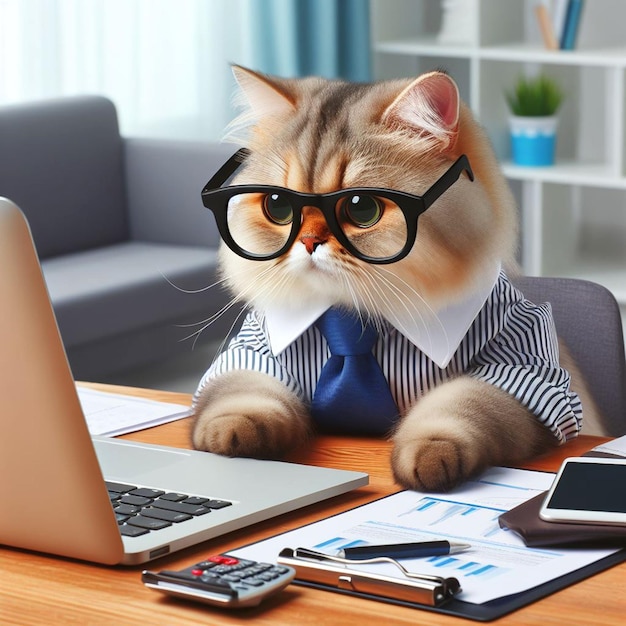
<point x="124" y="460"/>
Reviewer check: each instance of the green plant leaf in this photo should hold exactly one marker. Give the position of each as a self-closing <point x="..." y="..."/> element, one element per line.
<point x="535" y="97"/>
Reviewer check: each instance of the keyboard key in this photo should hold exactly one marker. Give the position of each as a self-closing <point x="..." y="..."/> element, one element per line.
<point x="195" y="500"/>
<point x="235" y="577"/>
<point x="119" y="487"/>
<point x="148" y="523"/>
<point x="181" y="507"/>
<point x="126" y="509"/>
<point x="211" y="579"/>
<point x="164" y="514"/>
<point x="217" y="504"/>
<point x="145" y="492"/>
<point x="174" y="497"/>
<point x="132" y="531"/>
<point x="135" y="500"/>
<point x="139" y="510"/>
<point x="222" y="559"/>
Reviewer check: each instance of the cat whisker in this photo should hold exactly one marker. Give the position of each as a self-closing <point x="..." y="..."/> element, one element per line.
<point x="350" y="288"/>
<point x="267" y="282"/>
<point x="384" y="289"/>
<point x="222" y="344"/>
<point x="205" y="323"/>
<point x="367" y="298"/>
<point x="274" y="280"/>
<point x="411" y="289"/>
<point x="217" y="283"/>
<point x="407" y="299"/>
<point x="401" y="296"/>
<point x="213" y="318"/>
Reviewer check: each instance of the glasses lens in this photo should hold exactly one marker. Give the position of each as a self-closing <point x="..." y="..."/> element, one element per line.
<point x="259" y="223"/>
<point x="363" y="211"/>
<point x="278" y="209"/>
<point x="374" y="225"/>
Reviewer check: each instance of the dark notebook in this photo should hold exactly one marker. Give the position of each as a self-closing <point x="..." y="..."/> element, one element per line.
<point x="525" y="521"/>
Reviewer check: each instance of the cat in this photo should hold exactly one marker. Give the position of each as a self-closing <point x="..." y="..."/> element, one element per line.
<point x="491" y="404"/>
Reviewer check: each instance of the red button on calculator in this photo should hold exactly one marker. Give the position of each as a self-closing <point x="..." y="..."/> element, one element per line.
<point x="223" y="560"/>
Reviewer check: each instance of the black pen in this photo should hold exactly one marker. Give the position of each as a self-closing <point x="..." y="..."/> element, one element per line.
<point x="404" y="550"/>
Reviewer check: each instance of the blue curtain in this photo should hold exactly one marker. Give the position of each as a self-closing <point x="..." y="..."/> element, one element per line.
<point x="329" y="38"/>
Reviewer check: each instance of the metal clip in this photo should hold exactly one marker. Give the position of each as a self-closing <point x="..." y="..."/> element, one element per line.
<point x="346" y="575"/>
<point x="307" y="553"/>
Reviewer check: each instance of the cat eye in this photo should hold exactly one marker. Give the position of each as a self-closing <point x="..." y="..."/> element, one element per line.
<point x="376" y="225"/>
<point x="278" y="209"/>
<point x="362" y="210"/>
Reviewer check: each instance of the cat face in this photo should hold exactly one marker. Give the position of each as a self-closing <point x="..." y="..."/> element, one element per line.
<point x="317" y="136"/>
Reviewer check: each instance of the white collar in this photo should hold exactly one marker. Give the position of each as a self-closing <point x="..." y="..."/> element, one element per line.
<point x="438" y="336"/>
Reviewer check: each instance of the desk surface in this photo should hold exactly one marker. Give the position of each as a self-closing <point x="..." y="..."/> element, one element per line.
<point x="37" y="589"/>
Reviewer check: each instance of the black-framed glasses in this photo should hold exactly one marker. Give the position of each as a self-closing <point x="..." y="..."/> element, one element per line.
<point x="376" y="225"/>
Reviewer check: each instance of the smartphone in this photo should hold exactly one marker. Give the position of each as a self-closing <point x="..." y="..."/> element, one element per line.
<point x="587" y="490"/>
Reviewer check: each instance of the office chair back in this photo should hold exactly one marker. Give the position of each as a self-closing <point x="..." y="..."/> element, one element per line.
<point x="588" y="320"/>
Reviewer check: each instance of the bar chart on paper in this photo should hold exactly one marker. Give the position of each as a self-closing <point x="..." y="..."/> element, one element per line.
<point x="430" y="518"/>
<point x="497" y="563"/>
<point x="447" y="515"/>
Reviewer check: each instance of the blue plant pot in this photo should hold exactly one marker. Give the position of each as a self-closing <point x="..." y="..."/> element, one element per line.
<point x="533" y="140"/>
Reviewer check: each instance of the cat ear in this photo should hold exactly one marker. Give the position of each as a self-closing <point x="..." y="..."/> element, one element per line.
<point x="264" y="95"/>
<point x="429" y="104"/>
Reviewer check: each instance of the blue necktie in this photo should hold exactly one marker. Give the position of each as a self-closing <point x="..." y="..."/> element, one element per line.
<point x="352" y="394"/>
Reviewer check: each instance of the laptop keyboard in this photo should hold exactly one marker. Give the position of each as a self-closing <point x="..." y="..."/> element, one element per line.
<point x="140" y="510"/>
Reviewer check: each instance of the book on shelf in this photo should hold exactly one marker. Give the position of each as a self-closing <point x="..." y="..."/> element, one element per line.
<point x="559" y="11"/>
<point x="559" y="22"/>
<point x="546" y="27"/>
<point x="571" y="24"/>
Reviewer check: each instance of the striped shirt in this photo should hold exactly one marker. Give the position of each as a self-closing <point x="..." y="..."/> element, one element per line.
<point x="511" y="343"/>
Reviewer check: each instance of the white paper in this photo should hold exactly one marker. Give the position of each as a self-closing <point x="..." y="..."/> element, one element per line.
<point x="615" y="447"/>
<point x="114" y="414"/>
<point x="498" y="564"/>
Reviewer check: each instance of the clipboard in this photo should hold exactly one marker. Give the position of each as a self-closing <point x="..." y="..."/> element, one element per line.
<point x="336" y="573"/>
<point x="487" y="611"/>
<point x="454" y="605"/>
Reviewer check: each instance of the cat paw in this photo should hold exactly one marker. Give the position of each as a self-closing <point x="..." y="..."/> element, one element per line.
<point x="235" y="435"/>
<point x="245" y="413"/>
<point x="430" y="464"/>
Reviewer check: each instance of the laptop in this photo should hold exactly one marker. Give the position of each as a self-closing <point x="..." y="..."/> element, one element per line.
<point x="53" y="494"/>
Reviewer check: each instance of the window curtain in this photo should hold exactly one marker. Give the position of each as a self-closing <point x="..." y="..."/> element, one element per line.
<point x="329" y="38"/>
<point x="166" y="63"/>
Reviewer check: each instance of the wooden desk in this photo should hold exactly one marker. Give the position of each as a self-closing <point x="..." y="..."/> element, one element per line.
<point x="37" y="589"/>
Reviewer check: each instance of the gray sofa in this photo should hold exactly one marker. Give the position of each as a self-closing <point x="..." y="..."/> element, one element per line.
<point x="117" y="223"/>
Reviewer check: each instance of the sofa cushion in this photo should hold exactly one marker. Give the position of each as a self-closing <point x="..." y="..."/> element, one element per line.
<point x="164" y="180"/>
<point x="61" y="161"/>
<point x="132" y="285"/>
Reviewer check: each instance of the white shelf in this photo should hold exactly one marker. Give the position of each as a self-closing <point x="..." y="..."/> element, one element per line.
<point x="518" y="52"/>
<point x="427" y="46"/>
<point x="567" y="173"/>
<point x="533" y="53"/>
<point x="558" y="204"/>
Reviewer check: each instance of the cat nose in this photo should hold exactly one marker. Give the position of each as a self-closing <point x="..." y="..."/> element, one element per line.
<point x="311" y="242"/>
<point x="314" y="231"/>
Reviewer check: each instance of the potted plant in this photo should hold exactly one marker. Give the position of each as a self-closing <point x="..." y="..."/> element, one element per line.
<point x="534" y="103"/>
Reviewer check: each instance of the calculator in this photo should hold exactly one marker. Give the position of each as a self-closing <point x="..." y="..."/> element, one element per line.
<point x="222" y="580"/>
